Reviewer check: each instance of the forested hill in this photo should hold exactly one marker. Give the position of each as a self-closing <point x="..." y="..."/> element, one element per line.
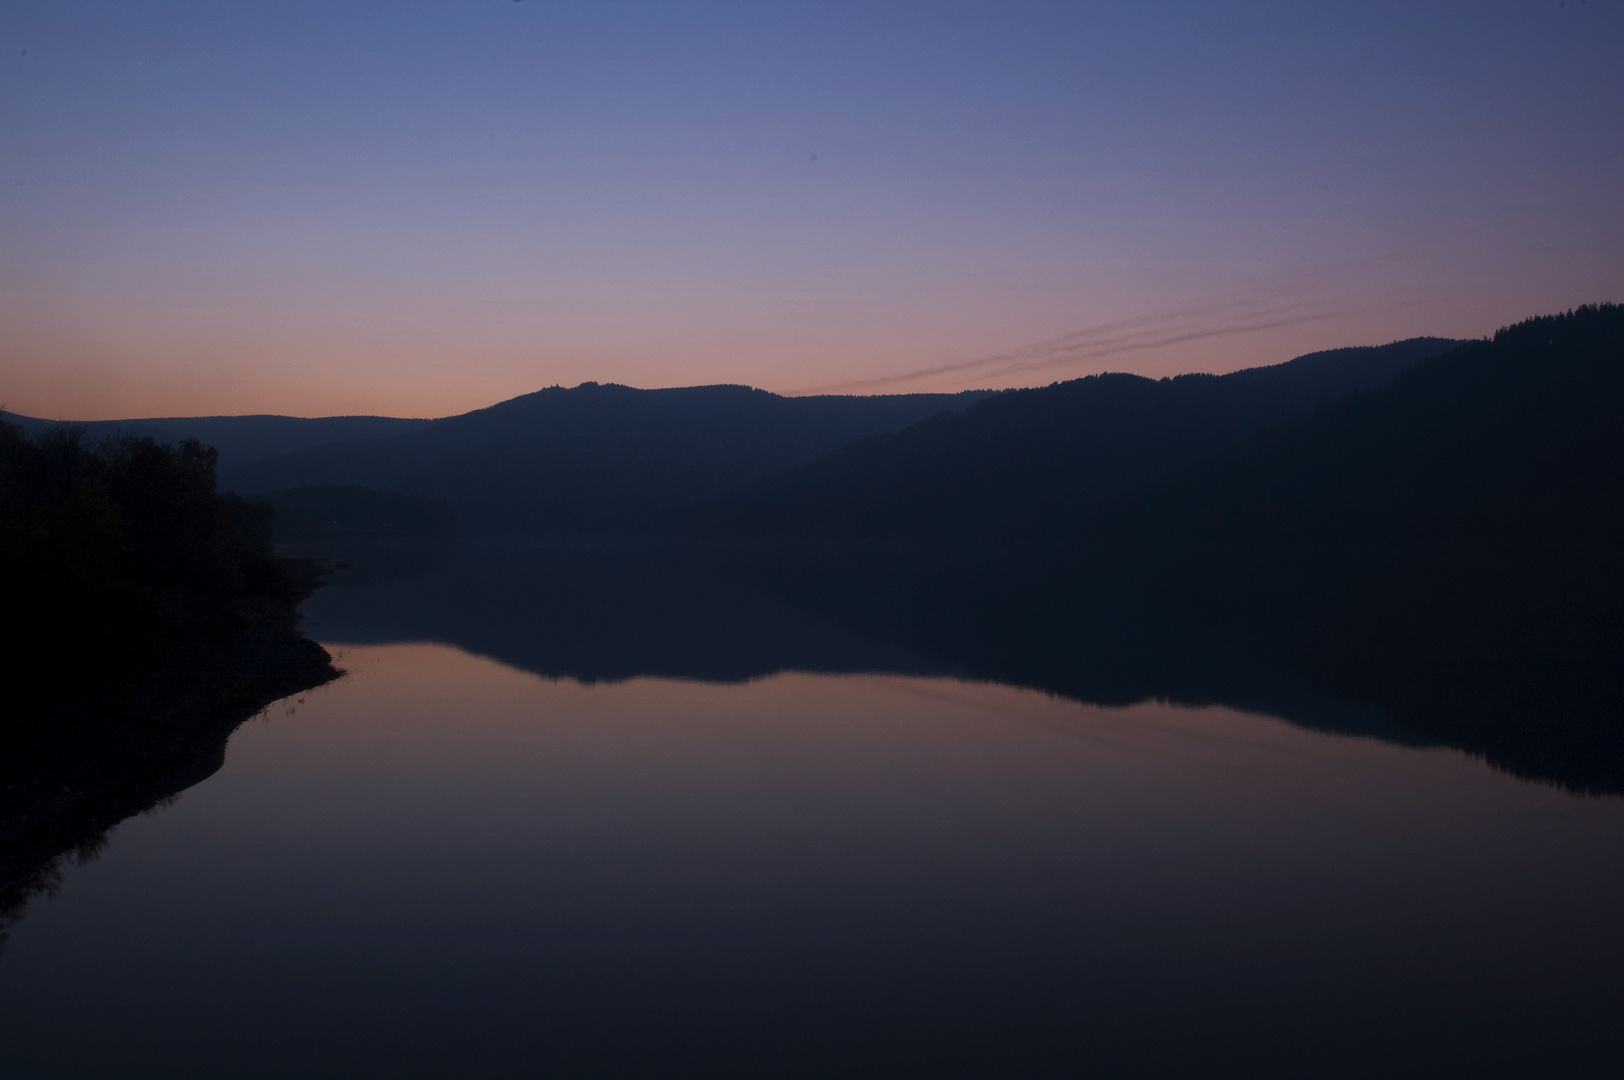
<point x="1514" y="440"/>
<point x="1018" y="459"/>
<point x="1449" y="547"/>
<point x="602" y="457"/>
<point x="1453" y="545"/>
<point x="119" y="552"/>
<point x="598" y="456"/>
<point x="238" y="440"/>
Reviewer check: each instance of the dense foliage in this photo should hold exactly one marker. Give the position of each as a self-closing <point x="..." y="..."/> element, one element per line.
<point x="115" y="550"/>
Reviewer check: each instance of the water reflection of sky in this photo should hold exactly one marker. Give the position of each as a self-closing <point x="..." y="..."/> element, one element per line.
<point x="441" y="864"/>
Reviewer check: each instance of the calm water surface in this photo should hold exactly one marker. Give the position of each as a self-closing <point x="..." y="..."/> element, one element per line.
<point x="442" y="865"/>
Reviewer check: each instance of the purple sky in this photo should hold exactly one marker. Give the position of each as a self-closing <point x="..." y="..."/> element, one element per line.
<point x="421" y="208"/>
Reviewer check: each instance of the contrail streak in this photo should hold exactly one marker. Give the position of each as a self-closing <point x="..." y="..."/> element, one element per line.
<point x="1121" y="336"/>
<point x="1194" y="335"/>
<point x="1074" y="340"/>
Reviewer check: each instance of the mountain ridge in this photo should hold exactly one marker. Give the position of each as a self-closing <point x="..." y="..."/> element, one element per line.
<point x="1024" y="453"/>
<point x="597" y="455"/>
<point x="240" y="440"/>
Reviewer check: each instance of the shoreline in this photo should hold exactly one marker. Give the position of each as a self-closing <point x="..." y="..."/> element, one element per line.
<point x="68" y="778"/>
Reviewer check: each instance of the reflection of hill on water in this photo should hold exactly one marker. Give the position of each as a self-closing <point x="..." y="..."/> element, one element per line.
<point x="598" y="610"/>
<point x="609" y="609"/>
<point x="151" y="737"/>
<point x="604" y="609"/>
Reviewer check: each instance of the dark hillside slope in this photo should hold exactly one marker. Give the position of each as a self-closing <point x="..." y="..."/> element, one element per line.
<point x="1518" y="439"/>
<point x="240" y="439"/>
<point x="596" y="456"/>
<point x="1023" y="457"/>
<point x="1462" y="529"/>
<point x="1449" y="548"/>
<point x="1482" y="486"/>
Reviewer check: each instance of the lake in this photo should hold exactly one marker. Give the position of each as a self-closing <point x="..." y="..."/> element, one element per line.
<point x="700" y="833"/>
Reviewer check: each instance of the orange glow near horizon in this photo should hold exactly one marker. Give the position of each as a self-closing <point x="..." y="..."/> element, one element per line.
<point x="229" y="209"/>
<point x="68" y="375"/>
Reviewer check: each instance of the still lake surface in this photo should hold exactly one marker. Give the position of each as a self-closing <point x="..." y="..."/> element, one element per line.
<point x="462" y="859"/>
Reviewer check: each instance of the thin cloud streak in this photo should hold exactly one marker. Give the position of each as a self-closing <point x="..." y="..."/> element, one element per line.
<point x="1123" y="336"/>
<point x="1065" y="344"/>
<point x="1198" y="335"/>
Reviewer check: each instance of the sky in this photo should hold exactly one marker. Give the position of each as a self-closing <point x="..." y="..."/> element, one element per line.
<point x="419" y="208"/>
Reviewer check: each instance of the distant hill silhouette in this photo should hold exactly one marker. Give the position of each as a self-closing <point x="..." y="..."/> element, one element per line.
<point x="1474" y="511"/>
<point x="1449" y="546"/>
<point x="1432" y="527"/>
<point x="1515" y="439"/>
<point x="598" y="456"/>
<point x="1027" y="456"/>
<point x="238" y="439"/>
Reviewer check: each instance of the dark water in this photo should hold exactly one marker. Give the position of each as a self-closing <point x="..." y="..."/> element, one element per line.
<point x="695" y="832"/>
